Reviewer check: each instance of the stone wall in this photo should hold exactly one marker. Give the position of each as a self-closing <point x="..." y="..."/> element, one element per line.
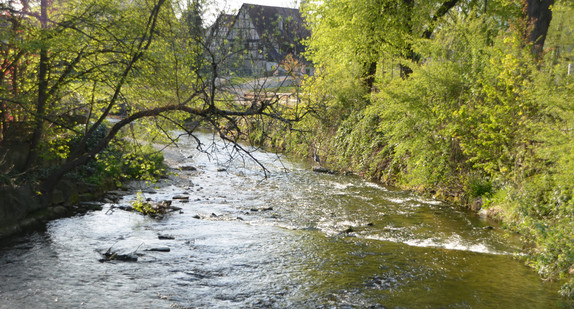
<point x="21" y="208"/>
<point x="15" y="205"/>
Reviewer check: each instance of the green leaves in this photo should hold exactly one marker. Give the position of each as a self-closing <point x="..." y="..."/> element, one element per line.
<point x="477" y="116"/>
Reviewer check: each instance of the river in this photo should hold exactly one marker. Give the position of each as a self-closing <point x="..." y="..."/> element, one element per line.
<point x="297" y="239"/>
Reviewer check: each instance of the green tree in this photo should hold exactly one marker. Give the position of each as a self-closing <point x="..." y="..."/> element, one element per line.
<point x="480" y="112"/>
<point x="95" y="58"/>
<point x="346" y="31"/>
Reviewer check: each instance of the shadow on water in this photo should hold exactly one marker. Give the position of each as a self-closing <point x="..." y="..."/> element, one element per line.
<point x="295" y="240"/>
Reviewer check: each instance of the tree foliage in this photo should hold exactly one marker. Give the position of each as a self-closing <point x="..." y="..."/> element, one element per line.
<point x="69" y="66"/>
<point x="465" y="100"/>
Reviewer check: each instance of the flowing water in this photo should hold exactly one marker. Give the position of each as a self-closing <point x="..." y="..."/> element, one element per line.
<point x="297" y="239"/>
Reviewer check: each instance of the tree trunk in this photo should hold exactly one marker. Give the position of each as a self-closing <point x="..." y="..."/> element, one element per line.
<point x="42" y="94"/>
<point x="409" y="54"/>
<point x="369" y="73"/>
<point x="445" y="7"/>
<point x="539" y="15"/>
<point x="442" y="10"/>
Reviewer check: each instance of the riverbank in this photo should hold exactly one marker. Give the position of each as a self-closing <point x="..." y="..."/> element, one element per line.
<point x="22" y="209"/>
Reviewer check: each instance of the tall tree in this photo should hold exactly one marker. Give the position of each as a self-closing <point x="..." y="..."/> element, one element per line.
<point x="42" y="95"/>
<point x="365" y="32"/>
<point x="539" y="13"/>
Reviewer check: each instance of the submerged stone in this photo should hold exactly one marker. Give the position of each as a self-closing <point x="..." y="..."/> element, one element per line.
<point x="112" y="256"/>
<point x="188" y="168"/>
<point x="181" y="197"/>
<point x="159" y="249"/>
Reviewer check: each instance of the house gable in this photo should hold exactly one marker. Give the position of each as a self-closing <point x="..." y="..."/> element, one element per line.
<point x="269" y="33"/>
<point x="281" y="29"/>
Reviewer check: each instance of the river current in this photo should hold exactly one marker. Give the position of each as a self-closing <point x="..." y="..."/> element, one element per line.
<point x="295" y="239"/>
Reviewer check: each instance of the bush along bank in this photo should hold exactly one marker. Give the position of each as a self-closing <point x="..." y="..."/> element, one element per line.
<point x="23" y="207"/>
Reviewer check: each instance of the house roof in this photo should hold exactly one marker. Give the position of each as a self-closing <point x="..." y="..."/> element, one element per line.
<point x="221" y="25"/>
<point x="225" y="19"/>
<point x="265" y="18"/>
<point x="272" y="21"/>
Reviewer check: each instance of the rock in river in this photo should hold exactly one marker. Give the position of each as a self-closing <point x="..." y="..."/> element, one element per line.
<point x="159" y="249"/>
<point x="188" y="168"/>
<point x="181" y="197"/>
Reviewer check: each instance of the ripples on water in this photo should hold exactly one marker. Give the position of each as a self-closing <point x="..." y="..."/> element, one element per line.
<point x="328" y="242"/>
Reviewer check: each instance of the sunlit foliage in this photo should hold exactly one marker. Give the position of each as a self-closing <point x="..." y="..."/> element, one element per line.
<point x="461" y="107"/>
